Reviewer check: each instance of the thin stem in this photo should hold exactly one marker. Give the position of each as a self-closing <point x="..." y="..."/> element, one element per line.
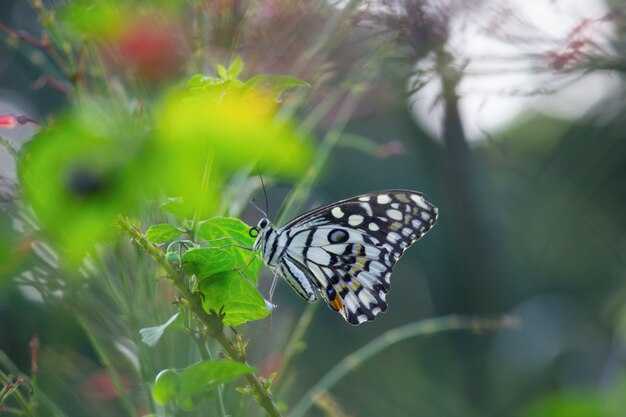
<point x="391" y="337"/>
<point x="212" y="322"/>
<point x="8" y="146"/>
<point x="301" y="191"/>
<point x="115" y="377"/>
<point x="294" y="345"/>
<point x="42" y="400"/>
<point x="13" y="391"/>
<point x="205" y="354"/>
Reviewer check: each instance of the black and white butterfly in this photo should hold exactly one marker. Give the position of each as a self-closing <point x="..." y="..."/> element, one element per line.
<point x="346" y="251"/>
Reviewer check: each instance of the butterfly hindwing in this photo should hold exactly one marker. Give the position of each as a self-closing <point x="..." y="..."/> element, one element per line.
<point x="348" y="249"/>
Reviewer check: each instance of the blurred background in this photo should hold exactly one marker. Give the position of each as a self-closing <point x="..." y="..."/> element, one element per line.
<point x="509" y="115"/>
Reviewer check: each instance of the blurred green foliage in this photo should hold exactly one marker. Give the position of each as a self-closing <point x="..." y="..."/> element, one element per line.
<point x="78" y="180"/>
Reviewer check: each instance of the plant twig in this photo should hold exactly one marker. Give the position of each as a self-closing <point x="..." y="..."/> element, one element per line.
<point x="391" y="337"/>
<point x="205" y="354"/>
<point x="212" y="322"/>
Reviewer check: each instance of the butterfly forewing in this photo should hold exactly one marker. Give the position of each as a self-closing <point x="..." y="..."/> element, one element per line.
<point x="347" y="250"/>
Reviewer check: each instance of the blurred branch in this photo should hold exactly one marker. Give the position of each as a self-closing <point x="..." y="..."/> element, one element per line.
<point x="42" y="401"/>
<point x="125" y="399"/>
<point x="42" y="44"/>
<point x="9" y="387"/>
<point x="212" y="322"/>
<point x="8" y="146"/>
<point x="419" y="328"/>
<point x="52" y="83"/>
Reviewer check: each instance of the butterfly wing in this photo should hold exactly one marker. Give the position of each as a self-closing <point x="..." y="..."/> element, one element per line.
<point x="349" y="248"/>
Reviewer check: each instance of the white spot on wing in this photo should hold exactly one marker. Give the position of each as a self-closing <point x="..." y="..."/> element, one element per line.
<point x="383" y="199"/>
<point x="351" y="302"/>
<point x="373" y="227"/>
<point x="425" y="215"/>
<point x="364" y="198"/>
<point x="394" y="214"/>
<point x="371" y="251"/>
<point x="337" y="212"/>
<point x="366" y="298"/>
<point x="419" y="200"/>
<point x="367" y="280"/>
<point x="416" y="223"/>
<point x="393" y="237"/>
<point x="355" y="220"/>
<point x="376" y="267"/>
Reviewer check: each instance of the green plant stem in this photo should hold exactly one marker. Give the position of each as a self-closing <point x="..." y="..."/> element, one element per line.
<point x="15" y="393"/>
<point x="391" y="337"/>
<point x="212" y="322"/>
<point x="205" y="354"/>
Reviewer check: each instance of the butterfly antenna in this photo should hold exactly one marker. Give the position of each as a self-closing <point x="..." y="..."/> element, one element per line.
<point x="258" y="208"/>
<point x="267" y="204"/>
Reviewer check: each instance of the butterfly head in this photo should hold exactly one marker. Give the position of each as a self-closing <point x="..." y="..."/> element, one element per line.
<point x="259" y="231"/>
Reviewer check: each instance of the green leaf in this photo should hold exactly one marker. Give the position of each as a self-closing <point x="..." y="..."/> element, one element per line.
<point x="235" y="68"/>
<point x="200" y="81"/>
<point x="178" y="207"/>
<point x="159" y="233"/>
<point x="166" y="386"/>
<point x="222" y="72"/>
<point x="235" y="297"/>
<point x="205" y="376"/>
<point x="151" y="335"/>
<point x="204" y="262"/>
<point x="274" y="85"/>
<point x="229" y="234"/>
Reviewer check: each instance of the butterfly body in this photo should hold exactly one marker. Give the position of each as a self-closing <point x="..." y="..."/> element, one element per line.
<point x="345" y="252"/>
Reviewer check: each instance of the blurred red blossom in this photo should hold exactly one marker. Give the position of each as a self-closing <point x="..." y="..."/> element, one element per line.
<point x="99" y="386"/>
<point x="578" y="44"/>
<point x="150" y="46"/>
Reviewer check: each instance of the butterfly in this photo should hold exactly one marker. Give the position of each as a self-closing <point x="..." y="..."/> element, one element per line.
<point x="345" y="252"/>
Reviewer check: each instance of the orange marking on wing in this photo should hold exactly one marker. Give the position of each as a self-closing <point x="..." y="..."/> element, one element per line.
<point x="337" y="304"/>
